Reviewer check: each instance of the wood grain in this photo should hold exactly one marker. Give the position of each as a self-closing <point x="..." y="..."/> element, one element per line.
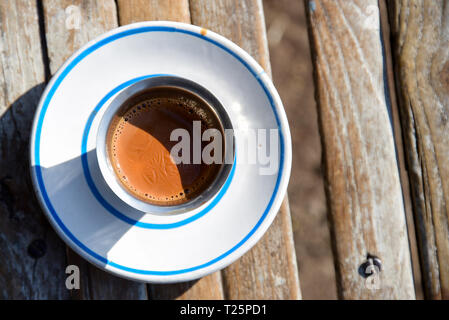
<point x="206" y="288"/>
<point x="405" y="181"/>
<point x="269" y="270"/>
<point x="130" y="11"/>
<point x="145" y="10"/>
<point x="242" y="22"/>
<point x="97" y="17"/>
<point x="363" y="188"/>
<point x="32" y="259"/>
<point x="420" y="31"/>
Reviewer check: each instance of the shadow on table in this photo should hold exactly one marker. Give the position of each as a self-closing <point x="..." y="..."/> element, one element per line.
<point x="80" y="210"/>
<point x="25" y="235"/>
<point x="32" y="257"/>
<point x="169" y="291"/>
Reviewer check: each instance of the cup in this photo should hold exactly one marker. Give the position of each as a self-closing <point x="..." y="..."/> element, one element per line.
<point x="117" y="107"/>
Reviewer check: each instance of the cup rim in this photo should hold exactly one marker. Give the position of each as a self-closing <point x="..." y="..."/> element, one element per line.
<point x="115" y="105"/>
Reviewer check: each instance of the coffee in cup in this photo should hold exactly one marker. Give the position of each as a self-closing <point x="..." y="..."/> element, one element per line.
<point x="139" y="145"/>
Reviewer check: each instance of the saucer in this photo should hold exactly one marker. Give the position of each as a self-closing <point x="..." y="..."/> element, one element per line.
<point x="85" y="212"/>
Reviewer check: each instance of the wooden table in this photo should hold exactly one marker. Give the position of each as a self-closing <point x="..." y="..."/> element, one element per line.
<point x="35" y="39"/>
<point x="386" y="158"/>
<point x="382" y="92"/>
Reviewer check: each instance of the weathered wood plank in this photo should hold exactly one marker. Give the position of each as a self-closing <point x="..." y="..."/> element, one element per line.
<point x="420" y="32"/>
<point x="95" y="284"/>
<point x="405" y="181"/>
<point x="32" y="256"/>
<point x="70" y="24"/>
<point x="145" y="10"/>
<point x="206" y="288"/>
<point x="242" y="22"/>
<point x="209" y="287"/>
<point x="362" y="178"/>
<point x="83" y="293"/>
<point x="269" y="270"/>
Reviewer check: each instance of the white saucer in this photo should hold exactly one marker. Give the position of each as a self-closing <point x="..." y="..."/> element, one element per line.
<point x="96" y="223"/>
